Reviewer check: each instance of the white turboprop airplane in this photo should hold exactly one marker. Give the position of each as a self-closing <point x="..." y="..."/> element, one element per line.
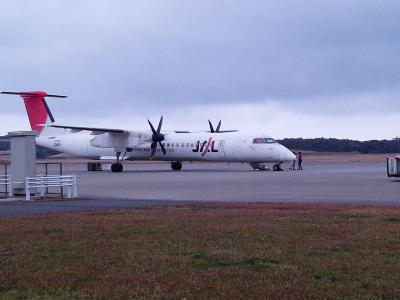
<point x="158" y="145"/>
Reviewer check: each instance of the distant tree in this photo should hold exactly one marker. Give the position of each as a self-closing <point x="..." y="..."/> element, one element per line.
<point x="343" y="145"/>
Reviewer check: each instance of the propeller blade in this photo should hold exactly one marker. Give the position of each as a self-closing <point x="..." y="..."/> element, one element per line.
<point x="211" y="127"/>
<point x="218" y="127"/>
<point x="151" y="126"/>
<point x="162" y="148"/>
<point x="153" y="149"/>
<point x="159" y="125"/>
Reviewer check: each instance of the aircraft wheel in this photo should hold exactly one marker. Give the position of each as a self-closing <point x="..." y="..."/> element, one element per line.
<point x="262" y="167"/>
<point x="176" y="166"/>
<point x="277" y="167"/>
<point x="117" y="167"/>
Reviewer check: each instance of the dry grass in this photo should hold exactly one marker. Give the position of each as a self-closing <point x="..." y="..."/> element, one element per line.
<point x="211" y="251"/>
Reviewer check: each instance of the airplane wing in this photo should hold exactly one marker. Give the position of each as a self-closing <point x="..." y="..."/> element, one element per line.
<point x="94" y="130"/>
<point x="224" y="131"/>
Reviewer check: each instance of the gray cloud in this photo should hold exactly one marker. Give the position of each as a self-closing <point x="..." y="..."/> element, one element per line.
<point x="151" y="56"/>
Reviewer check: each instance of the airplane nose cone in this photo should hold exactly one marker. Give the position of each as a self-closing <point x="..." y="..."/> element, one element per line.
<point x="287" y="155"/>
<point x="291" y="155"/>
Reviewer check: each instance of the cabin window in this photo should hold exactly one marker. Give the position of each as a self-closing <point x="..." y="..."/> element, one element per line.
<point x="167" y="144"/>
<point x="187" y="144"/>
<point x="259" y="141"/>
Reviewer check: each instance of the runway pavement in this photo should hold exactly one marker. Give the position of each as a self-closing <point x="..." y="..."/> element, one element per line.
<point x="148" y="184"/>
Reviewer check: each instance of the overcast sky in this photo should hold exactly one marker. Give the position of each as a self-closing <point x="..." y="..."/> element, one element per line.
<point x="285" y="68"/>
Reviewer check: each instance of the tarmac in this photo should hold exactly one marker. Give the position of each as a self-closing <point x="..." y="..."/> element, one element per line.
<point x="155" y="184"/>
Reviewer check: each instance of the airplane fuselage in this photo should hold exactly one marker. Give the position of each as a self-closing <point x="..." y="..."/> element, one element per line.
<point x="201" y="146"/>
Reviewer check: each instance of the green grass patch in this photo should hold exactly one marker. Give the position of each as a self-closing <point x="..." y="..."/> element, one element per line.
<point x="393" y="219"/>
<point x="393" y="260"/>
<point x="333" y="277"/>
<point x="208" y="261"/>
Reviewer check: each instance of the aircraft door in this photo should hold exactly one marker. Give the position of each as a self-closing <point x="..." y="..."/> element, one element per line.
<point x="221" y="148"/>
<point x="270" y="153"/>
<point x="90" y="148"/>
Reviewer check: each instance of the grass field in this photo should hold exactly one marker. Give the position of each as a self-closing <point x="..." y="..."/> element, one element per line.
<point x="210" y="251"/>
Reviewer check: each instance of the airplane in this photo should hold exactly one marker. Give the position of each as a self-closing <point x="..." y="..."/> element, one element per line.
<point x="154" y="144"/>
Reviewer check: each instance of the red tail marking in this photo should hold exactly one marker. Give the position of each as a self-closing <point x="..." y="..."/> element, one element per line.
<point x="36" y="110"/>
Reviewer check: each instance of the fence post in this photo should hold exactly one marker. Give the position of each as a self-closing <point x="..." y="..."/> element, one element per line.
<point x="69" y="191"/>
<point x="75" y="186"/>
<point x="10" y="191"/>
<point x="27" y="190"/>
<point x="42" y="185"/>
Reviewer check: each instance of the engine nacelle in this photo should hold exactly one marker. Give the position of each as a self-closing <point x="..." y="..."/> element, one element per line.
<point x="115" y="140"/>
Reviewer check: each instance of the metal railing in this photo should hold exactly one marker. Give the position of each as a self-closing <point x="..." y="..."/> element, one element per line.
<point x="40" y="184"/>
<point x="6" y="181"/>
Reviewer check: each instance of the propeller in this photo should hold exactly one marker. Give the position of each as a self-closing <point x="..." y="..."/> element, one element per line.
<point x="212" y="128"/>
<point x="157" y="137"/>
<point x="217" y="130"/>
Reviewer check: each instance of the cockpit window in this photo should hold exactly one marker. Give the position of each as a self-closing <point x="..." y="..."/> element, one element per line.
<point x="264" y="141"/>
<point x="270" y="140"/>
<point x="259" y="141"/>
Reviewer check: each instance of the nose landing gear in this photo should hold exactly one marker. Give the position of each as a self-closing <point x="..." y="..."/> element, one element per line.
<point x="277" y="167"/>
<point x="258" y="166"/>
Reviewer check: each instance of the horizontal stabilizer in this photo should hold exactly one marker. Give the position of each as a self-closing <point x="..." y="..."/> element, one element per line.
<point x="33" y="94"/>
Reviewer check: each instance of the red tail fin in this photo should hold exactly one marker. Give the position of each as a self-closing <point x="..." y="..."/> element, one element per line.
<point x="36" y="109"/>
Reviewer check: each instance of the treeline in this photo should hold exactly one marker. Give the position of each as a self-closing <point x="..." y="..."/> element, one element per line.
<point x="41" y="152"/>
<point x="343" y="145"/>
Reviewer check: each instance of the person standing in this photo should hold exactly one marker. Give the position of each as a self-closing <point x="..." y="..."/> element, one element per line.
<point x="300" y="161"/>
<point x="294" y="162"/>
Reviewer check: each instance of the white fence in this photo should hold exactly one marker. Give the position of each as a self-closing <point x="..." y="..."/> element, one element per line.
<point x="40" y="184"/>
<point x="6" y="181"/>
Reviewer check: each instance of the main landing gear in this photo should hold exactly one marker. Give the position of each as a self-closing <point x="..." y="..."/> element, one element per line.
<point x="176" y="165"/>
<point x="277" y="167"/>
<point x="118" y="167"/>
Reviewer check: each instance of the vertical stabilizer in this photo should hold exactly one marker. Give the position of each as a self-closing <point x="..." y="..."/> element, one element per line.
<point x="38" y="111"/>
